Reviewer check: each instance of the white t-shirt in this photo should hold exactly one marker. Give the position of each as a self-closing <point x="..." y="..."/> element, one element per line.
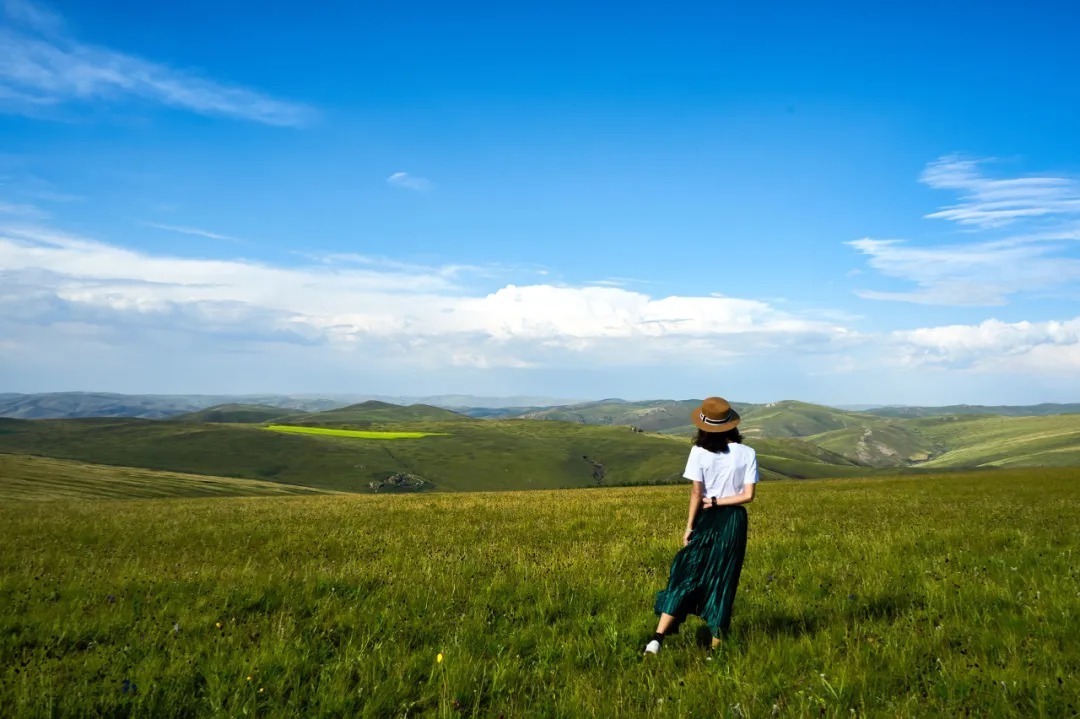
<point x="724" y="475"/>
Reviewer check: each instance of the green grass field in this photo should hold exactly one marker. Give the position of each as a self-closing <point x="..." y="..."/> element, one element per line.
<point x="1050" y="441"/>
<point x="42" y="478"/>
<point x="943" y="595"/>
<point x="354" y="433"/>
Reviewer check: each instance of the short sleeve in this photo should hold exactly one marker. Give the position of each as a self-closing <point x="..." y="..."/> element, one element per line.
<point x="751" y="470"/>
<point x="693" y="469"/>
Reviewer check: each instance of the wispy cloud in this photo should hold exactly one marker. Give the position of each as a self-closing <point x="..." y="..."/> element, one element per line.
<point x="22" y="209"/>
<point x="41" y="66"/>
<point x="983" y="273"/>
<point x="1038" y="255"/>
<point x="33" y="16"/>
<point x="193" y="231"/>
<point x="986" y="202"/>
<point x="409" y="182"/>
<point x="385" y="263"/>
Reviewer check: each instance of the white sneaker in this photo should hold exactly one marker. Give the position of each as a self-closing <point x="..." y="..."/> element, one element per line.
<point x="652" y="647"/>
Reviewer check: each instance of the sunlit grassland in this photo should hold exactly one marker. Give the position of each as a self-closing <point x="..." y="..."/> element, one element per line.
<point x="1005" y="441"/>
<point x="941" y="595"/>
<point x="455" y="456"/>
<point x="44" y="478"/>
<point x="353" y="433"/>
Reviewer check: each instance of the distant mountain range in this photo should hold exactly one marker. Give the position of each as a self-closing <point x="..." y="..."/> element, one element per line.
<point x="70" y="405"/>
<point x="649" y="415"/>
<point x="1031" y="410"/>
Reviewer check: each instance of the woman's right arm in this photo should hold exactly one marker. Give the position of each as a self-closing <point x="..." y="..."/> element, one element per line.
<point x="697" y="493"/>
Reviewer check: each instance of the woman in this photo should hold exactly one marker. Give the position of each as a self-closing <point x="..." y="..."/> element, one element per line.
<point x="705" y="572"/>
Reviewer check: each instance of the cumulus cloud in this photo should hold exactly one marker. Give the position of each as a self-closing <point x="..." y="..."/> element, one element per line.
<point x="424" y="316"/>
<point x="41" y="67"/>
<point x="995" y="346"/>
<point x="409" y="182"/>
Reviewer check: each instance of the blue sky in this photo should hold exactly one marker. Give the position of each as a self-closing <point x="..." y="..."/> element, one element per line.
<point x="659" y="200"/>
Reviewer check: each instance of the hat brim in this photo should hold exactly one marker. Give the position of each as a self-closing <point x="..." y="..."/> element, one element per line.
<point x="695" y="417"/>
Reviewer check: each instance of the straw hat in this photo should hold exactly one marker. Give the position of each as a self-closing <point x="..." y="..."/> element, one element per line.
<point x="715" y="415"/>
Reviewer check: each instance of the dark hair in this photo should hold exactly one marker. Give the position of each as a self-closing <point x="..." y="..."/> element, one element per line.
<point x="717" y="442"/>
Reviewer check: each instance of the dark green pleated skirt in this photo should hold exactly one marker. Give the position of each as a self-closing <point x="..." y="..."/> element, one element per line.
<point x="705" y="573"/>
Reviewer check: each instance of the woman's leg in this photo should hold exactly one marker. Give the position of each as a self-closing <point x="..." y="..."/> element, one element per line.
<point x="666" y="620"/>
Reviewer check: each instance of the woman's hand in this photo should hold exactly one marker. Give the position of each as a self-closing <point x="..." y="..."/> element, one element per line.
<point x="707" y="502"/>
<point x="686" y="537"/>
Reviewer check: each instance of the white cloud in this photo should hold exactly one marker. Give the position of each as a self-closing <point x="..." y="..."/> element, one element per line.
<point x="421" y="316"/>
<point x="131" y="314"/>
<point x="409" y="182"/>
<point x="193" y="231"/>
<point x="1038" y="256"/>
<point x="1051" y="347"/>
<point x="984" y="273"/>
<point x="42" y="67"/>
<point x="986" y="202"/>
<point x="33" y="16"/>
<point x="22" y="209"/>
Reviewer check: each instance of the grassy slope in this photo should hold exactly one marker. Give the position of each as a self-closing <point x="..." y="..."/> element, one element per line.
<point x="795" y="459"/>
<point x="796" y="419"/>
<point x="1049" y="441"/>
<point x="474" y="455"/>
<point x="882" y="443"/>
<point x="961" y="441"/>
<point x="858" y="598"/>
<point x="43" y="478"/>
<point x="374" y="412"/>
<point x="651" y="416"/>
<point x="786" y="419"/>
<point x="471" y="455"/>
<point x="962" y="409"/>
<point x="238" y="413"/>
<point x="389" y="435"/>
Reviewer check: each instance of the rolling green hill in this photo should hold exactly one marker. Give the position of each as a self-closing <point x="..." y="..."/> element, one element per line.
<point x="238" y="413"/>
<point x="373" y="412"/>
<point x="463" y="455"/>
<point x="1048" y="441"/>
<point x="883" y="443"/>
<point x="457" y="456"/>
<point x="796" y="419"/>
<point x="1033" y="410"/>
<point x="960" y="441"/>
<point x="42" y="478"/>
<point x="796" y="459"/>
<point x="777" y="419"/>
<point x="650" y="416"/>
